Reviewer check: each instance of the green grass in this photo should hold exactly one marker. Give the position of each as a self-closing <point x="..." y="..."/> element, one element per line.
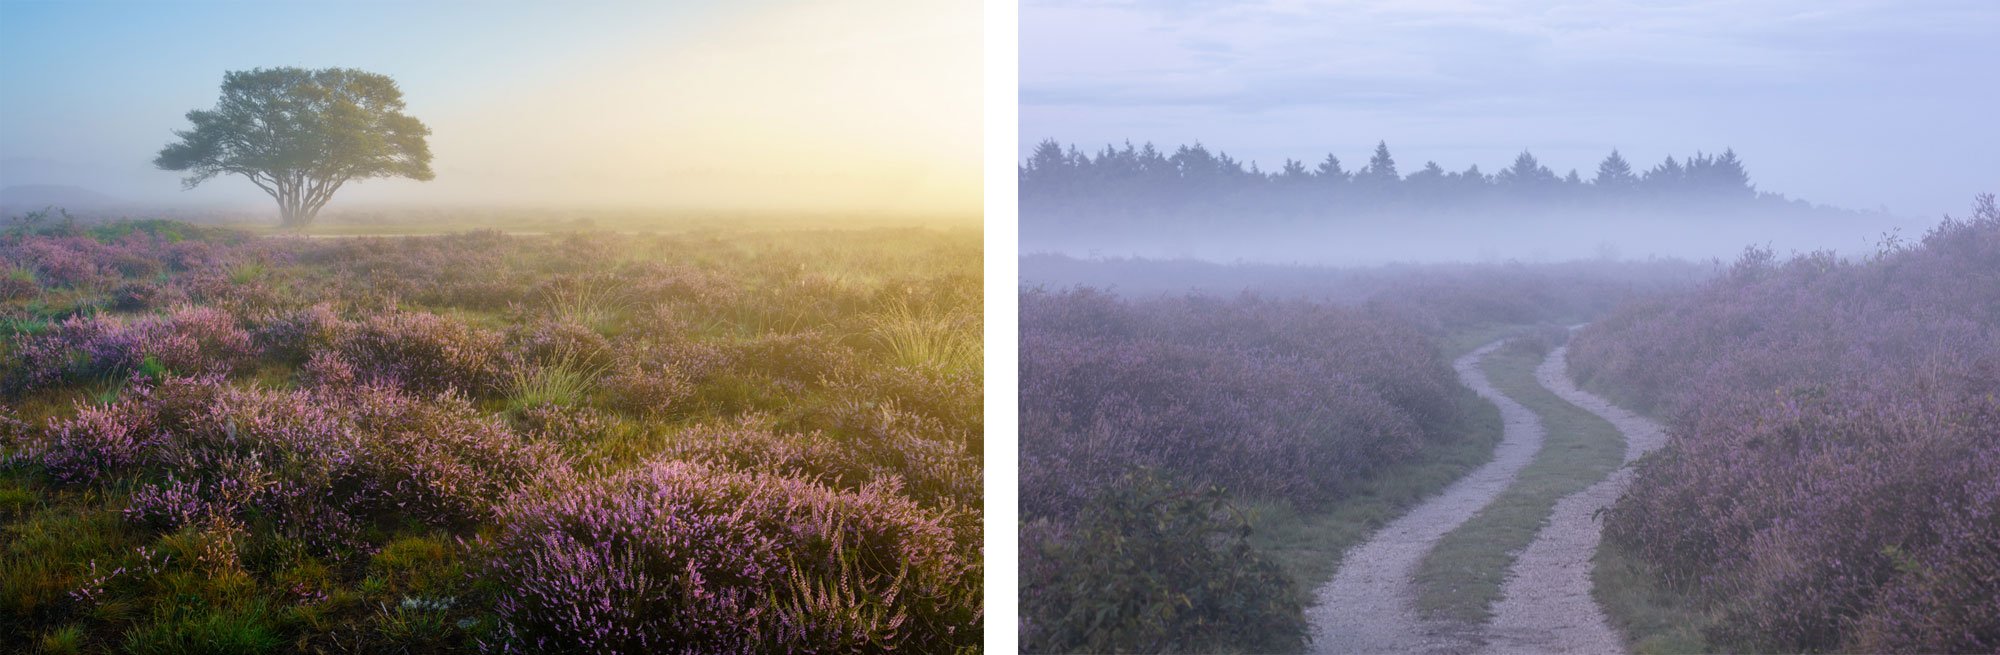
<point x="1462" y="576"/>
<point x="1309" y="545"/>
<point x="920" y="339"/>
<point x="564" y="382"/>
<point x="1653" y="620"/>
<point x="1309" y="542"/>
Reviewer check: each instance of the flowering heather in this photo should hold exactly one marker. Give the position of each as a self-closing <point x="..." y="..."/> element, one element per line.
<point x="1141" y="420"/>
<point x="1274" y="399"/>
<point x="319" y="466"/>
<point x="477" y="441"/>
<point x="931" y="472"/>
<point x="188" y="340"/>
<point x="294" y="335"/>
<point x="1833" y="469"/>
<point x="424" y="352"/>
<point x="678" y="557"/>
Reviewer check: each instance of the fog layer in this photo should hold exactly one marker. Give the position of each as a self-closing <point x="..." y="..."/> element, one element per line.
<point x="851" y="107"/>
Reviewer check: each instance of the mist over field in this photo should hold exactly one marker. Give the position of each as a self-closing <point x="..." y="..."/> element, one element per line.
<point x="1872" y="112"/>
<point x="605" y="107"/>
<point x="1371" y="326"/>
<point x="498" y="327"/>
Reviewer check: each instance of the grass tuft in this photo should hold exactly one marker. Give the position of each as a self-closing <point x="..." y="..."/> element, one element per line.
<point x="923" y="339"/>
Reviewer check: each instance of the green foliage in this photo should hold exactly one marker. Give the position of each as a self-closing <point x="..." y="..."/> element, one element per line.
<point x="565" y="381"/>
<point x="15" y="499"/>
<point x="45" y="556"/>
<point x="1150" y="567"/>
<point x="919" y="338"/>
<point x="246" y="272"/>
<point x="300" y="134"/>
<point x="18" y="282"/>
<point x="218" y="632"/>
<point x="66" y="640"/>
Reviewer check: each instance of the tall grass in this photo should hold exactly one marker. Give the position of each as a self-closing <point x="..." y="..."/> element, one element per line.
<point x="598" y="305"/>
<point x="567" y="380"/>
<point x="919" y="338"/>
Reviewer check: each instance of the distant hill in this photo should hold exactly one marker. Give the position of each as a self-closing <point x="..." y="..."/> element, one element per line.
<point x="37" y="196"/>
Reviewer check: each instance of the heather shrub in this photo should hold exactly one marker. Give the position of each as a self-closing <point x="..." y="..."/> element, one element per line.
<point x="327" y="451"/>
<point x="935" y="473"/>
<point x="1248" y="395"/>
<point x="678" y="557"/>
<point x="424" y="352"/>
<point x="58" y="262"/>
<point x="798" y="358"/>
<point x="565" y="423"/>
<point x="295" y="335"/>
<point x="1151" y="567"/>
<point x="188" y="341"/>
<point x="141" y="296"/>
<point x="1834" y="438"/>
<point x="949" y="404"/>
<point x="319" y="467"/>
<point x="651" y="390"/>
<point x="18" y="283"/>
<point x="1208" y="399"/>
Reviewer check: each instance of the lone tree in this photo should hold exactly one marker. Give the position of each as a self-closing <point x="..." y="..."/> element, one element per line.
<point x="300" y="134"/>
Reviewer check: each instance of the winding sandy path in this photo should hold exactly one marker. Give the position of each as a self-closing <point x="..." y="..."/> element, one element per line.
<point x="1545" y="605"/>
<point x="1369" y="605"/>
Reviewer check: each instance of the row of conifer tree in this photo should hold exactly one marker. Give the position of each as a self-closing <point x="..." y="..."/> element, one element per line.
<point x="1142" y="175"/>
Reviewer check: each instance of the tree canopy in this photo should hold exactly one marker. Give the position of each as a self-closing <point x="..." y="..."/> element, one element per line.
<point x="300" y="135"/>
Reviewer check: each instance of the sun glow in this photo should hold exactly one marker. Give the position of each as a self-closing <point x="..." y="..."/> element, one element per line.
<point x="848" y="108"/>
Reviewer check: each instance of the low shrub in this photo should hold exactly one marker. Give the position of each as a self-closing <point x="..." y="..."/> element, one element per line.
<point x="320" y="467"/>
<point x="1150" y="567"/>
<point x="937" y="474"/>
<point x="678" y="557"/>
<point x="424" y="352"/>
<point x="187" y="341"/>
<point x="1834" y="441"/>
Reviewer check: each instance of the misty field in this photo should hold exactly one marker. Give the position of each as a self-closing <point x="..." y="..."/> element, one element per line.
<point x="1810" y="453"/>
<point x="722" y="440"/>
<point x="1193" y="464"/>
<point x="1832" y="476"/>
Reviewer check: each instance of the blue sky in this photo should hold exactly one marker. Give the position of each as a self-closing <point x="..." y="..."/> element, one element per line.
<point x="1858" y="103"/>
<point x="625" y="102"/>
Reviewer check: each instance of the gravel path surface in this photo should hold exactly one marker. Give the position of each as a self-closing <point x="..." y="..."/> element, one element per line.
<point x="1546" y="606"/>
<point x="1369" y="605"/>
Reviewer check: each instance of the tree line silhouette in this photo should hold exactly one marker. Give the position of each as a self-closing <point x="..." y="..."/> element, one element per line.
<point x="1058" y="179"/>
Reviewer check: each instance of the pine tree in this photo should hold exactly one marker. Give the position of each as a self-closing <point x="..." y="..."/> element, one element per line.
<point x="1527" y="173"/>
<point x="1615" y="173"/>
<point x="1667" y="177"/>
<point x="1381" y="167"/>
<point x="1329" y="171"/>
<point x="1294" y="172"/>
<point x="1729" y="178"/>
<point x="1048" y="156"/>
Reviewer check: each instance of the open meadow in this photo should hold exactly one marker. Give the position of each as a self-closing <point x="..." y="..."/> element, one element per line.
<point x="713" y="439"/>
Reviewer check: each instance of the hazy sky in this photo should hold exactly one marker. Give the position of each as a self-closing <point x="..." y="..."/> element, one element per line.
<point x="839" y="105"/>
<point x="1856" y="103"/>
